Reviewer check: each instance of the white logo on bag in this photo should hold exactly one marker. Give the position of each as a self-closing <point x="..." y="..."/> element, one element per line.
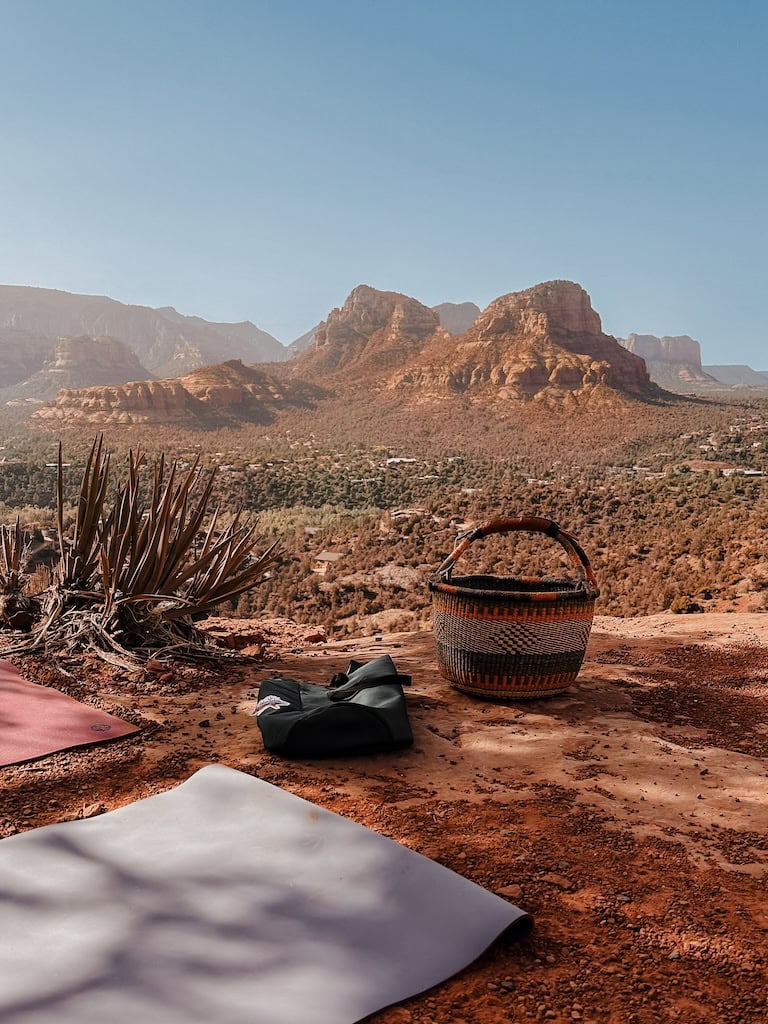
<point x="269" y="703"/>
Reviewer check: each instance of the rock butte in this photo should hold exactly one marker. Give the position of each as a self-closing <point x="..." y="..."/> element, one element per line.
<point x="672" y="361"/>
<point x="212" y="394"/>
<point x="372" y="331"/>
<point x="545" y="343"/>
<point x="537" y="342"/>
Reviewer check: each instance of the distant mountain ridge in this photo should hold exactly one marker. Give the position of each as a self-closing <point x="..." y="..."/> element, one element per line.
<point x="674" y="363"/>
<point x="739" y="375"/>
<point x="457" y="317"/>
<point x="79" y="362"/>
<point x="381" y="352"/>
<point x="165" y="342"/>
<point x="302" y="343"/>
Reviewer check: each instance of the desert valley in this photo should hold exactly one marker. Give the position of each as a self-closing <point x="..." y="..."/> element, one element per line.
<point x="628" y="814"/>
<point x="383" y="513"/>
<point x="370" y="448"/>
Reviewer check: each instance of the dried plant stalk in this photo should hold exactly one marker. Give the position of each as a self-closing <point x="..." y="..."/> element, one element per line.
<point x="17" y="609"/>
<point x="12" y="557"/>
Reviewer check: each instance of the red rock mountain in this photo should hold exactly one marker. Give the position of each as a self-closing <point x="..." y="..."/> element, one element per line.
<point x="382" y="352"/>
<point x="673" y="363"/>
<point x="543" y="342"/>
<point x="456" y="317"/>
<point x="372" y="332"/>
<point x="81" y="362"/>
<point x="226" y="393"/>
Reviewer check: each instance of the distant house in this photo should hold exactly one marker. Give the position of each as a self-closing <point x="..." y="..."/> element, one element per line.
<point x="324" y="559"/>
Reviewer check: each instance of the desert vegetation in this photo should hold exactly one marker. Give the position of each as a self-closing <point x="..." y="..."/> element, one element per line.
<point x="672" y="509"/>
<point x="133" y="572"/>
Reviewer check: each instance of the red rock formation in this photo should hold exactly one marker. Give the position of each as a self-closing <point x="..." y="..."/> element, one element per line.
<point x="539" y="341"/>
<point x="151" y="402"/>
<point x="679" y="349"/>
<point x="673" y="362"/>
<point x="372" y="331"/>
<point x="212" y="394"/>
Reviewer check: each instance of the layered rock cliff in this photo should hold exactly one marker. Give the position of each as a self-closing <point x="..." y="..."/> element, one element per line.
<point x="541" y="341"/>
<point x="148" y="402"/>
<point x="674" y="362"/>
<point x="678" y="349"/>
<point x="373" y="331"/>
<point x="225" y="393"/>
<point x="248" y="392"/>
<point x="22" y="353"/>
<point x="164" y="341"/>
<point x="81" y="362"/>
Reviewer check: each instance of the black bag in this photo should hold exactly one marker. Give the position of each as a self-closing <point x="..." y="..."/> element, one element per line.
<point x="362" y="712"/>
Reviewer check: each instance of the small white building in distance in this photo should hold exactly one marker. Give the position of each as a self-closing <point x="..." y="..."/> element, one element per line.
<point x="324" y="559"/>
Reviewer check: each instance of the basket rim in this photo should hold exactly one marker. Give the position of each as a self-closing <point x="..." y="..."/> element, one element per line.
<point x="572" y="589"/>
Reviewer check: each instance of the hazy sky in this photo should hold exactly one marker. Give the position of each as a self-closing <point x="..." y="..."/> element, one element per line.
<point x="257" y="160"/>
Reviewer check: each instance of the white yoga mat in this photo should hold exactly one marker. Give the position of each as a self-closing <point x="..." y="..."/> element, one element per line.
<point x="228" y="901"/>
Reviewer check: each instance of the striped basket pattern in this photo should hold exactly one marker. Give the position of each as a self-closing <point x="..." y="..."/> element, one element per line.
<point x="507" y="637"/>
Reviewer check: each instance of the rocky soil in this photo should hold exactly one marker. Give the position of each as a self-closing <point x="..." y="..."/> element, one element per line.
<point x="630" y="816"/>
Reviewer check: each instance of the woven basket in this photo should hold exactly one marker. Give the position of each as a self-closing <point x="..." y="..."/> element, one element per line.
<point x="513" y="636"/>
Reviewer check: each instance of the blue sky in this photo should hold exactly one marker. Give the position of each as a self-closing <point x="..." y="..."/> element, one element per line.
<point x="254" y="160"/>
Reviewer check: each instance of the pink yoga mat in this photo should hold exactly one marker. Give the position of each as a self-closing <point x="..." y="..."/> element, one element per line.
<point x="37" y="720"/>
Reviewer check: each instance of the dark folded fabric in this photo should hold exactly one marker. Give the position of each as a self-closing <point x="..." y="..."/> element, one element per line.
<point x="362" y="712"/>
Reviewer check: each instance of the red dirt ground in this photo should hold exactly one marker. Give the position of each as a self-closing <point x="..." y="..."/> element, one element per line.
<point x="630" y="816"/>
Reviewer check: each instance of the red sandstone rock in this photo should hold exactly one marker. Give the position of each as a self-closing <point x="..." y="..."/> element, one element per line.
<point x="373" y="330"/>
<point x="544" y="340"/>
<point x="210" y="394"/>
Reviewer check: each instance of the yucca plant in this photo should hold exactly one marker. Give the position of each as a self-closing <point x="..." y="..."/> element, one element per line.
<point x="12" y="557"/>
<point x="17" y="609"/>
<point x="134" y="577"/>
<point x="79" y="555"/>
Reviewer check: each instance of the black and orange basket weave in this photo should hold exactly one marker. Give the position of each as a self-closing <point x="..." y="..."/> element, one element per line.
<point x="508" y="637"/>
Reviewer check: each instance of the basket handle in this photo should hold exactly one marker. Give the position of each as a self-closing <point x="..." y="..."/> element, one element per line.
<point x="528" y="524"/>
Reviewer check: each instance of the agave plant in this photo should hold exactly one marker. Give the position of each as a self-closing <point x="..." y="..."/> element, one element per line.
<point x="133" y="577"/>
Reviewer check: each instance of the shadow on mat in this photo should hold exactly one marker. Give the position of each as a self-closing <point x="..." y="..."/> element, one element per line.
<point x="184" y="942"/>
